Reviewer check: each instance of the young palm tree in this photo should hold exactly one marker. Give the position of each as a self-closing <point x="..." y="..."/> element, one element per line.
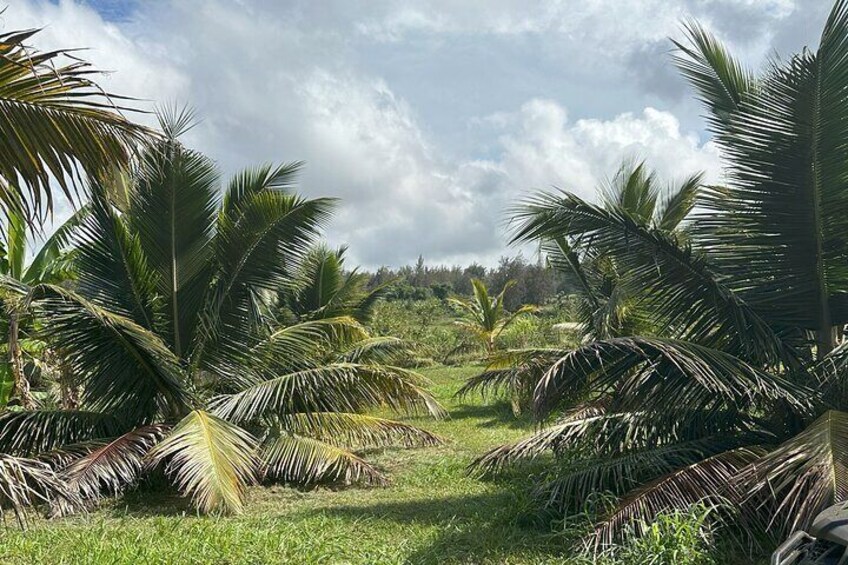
<point x="607" y="306"/>
<point x="56" y="125"/>
<point x="323" y="289"/>
<point x="486" y="318"/>
<point x="740" y="394"/>
<point x="172" y="331"/>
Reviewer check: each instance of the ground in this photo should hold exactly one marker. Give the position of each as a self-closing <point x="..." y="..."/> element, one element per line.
<point x="432" y="512"/>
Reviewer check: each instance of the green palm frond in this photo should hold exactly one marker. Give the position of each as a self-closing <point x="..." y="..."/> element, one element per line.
<point x="15" y="245"/>
<point x="805" y="474"/>
<point x="584" y="421"/>
<point x="679" y="203"/>
<point x="126" y="368"/>
<point x="831" y="377"/>
<point x="291" y="458"/>
<point x="663" y="271"/>
<point x="172" y="210"/>
<point x="635" y="189"/>
<point x="786" y="191"/>
<point x="111" y="265"/>
<point x="211" y="460"/>
<point x="51" y="261"/>
<point x="593" y="429"/>
<point x="31" y="433"/>
<point x="323" y="288"/>
<point x="250" y="182"/>
<point x="711" y="479"/>
<point x="721" y="81"/>
<point x="356" y="431"/>
<point x="296" y="347"/>
<point x="291" y="341"/>
<point x="254" y="253"/>
<point x="485" y="316"/>
<point x="378" y="350"/>
<point x="342" y="387"/>
<point x="56" y="123"/>
<point x="574" y="482"/>
<point x="511" y="370"/>
<point x="319" y="280"/>
<point x="663" y="375"/>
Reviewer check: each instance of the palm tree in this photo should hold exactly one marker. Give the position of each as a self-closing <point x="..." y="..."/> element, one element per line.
<point x="50" y="264"/>
<point x="607" y="306"/>
<point x="322" y="288"/>
<point x="56" y="125"/>
<point x="485" y="320"/>
<point x="485" y="316"/>
<point x="740" y="394"/>
<point x="172" y="330"/>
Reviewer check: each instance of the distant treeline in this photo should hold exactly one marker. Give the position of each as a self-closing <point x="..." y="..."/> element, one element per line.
<point x="534" y="282"/>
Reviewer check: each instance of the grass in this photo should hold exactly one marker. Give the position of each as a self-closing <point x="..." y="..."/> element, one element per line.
<point x="432" y="512"/>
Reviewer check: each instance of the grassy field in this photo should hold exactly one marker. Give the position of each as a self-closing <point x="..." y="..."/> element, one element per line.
<point x="431" y="513"/>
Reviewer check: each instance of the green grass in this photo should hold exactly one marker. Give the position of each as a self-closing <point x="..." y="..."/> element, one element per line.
<point x="432" y="512"/>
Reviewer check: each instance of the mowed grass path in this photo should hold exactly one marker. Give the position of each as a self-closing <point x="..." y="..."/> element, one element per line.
<point x="432" y="512"/>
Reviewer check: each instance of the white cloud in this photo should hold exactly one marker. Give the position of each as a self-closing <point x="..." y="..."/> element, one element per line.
<point x="294" y="82"/>
<point x="613" y="26"/>
<point x="548" y="150"/>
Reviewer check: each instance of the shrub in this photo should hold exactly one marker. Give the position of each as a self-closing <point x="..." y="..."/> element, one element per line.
<point x="674" y="538"/>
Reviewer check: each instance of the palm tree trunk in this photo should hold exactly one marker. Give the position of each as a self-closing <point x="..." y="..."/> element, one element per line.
<point x="16" y="363"/>
<point x="826" y="341"/>
<point x="70" y="397"/>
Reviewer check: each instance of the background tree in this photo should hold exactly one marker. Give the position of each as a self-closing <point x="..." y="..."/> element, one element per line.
<point x="51" y="264"/>
<point x="322" y="288"/>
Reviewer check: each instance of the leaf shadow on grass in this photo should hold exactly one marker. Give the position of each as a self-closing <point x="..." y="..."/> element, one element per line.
<point x="492" y="415"/>
<point x="146" y="502"/>
<point x="488" y="527"/>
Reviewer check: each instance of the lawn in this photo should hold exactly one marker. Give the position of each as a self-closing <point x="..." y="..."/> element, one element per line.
<point x="432" y="512"/>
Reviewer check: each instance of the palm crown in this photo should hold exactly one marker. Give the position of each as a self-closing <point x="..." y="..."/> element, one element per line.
<point x="177" y="327"/>
<point x="738" y="393"/>
<point x="485" y="316"/>
<point x="607" y="306"/>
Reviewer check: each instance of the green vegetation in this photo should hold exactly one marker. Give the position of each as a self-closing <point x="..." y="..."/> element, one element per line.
<point x="431" y="512"/>
<point x="426" y="325"/>
<point x="209" y="340"/>
<point x="485" y="317"/>
<point x="191" y="372"/>
<point x="533" y="282"/>
<point x="730" y="388"/>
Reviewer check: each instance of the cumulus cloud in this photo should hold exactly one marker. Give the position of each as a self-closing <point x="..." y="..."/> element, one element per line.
<point x="426" y="118"/>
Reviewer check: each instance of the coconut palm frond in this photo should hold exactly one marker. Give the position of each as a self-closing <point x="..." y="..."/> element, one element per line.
<point x="211" y="460"/>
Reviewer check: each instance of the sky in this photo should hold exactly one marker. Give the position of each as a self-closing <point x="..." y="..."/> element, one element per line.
<point x="427" y="119"/>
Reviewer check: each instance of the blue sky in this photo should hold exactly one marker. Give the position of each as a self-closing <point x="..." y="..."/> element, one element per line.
<point x="113" y="10"/>
<point x="427" y="118"/>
